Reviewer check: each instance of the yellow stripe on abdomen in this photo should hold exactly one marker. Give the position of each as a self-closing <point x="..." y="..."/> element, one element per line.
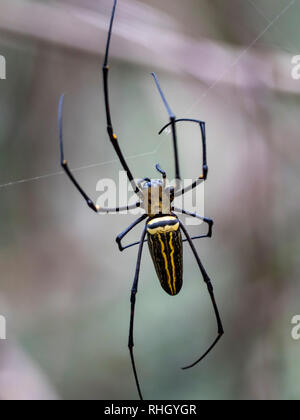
<point x="166" y="262"/>
<point x="172" y="262"/>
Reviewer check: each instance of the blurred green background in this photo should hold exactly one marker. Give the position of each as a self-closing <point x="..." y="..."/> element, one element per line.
<point x="65" y="287"/>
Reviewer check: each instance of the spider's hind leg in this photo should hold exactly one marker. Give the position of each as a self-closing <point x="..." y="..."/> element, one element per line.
<point x="212" y="297"/>
<point x="132" y="311"/>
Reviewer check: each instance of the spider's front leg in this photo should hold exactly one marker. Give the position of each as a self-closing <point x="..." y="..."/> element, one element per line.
<point x="203" y="176"/>
<point x="112" y="136"/>
<point x="66" y="168"/>
<point x="172" y="124"/>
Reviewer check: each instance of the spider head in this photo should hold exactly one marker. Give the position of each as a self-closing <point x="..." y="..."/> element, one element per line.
<point x="157" y="197"/>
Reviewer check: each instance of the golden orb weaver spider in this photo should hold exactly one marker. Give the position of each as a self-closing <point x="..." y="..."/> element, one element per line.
<point x="163" y="228"/>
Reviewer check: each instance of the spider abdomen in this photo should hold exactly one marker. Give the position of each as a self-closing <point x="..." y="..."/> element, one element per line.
<point x="165" y="245"/>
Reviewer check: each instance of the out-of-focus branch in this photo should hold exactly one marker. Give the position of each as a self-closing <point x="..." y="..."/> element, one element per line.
<point x="146" y="36"/>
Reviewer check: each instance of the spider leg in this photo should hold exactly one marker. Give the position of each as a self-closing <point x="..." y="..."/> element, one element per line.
<point x="174" y="134"/>
<point x="112" y="136"/>
<point x="209" y="222"/>
<point x="66" y="168"/>
<point x="133" y="244"/>
<point x="203" y="176"/>
<point x="127" y="230"/>
<point x="177" y="210"/>
<point x="132" y="301"/>
<point x="184" y="240"/>
<point x="211" y="293"/>
<point x="205" y="219"/>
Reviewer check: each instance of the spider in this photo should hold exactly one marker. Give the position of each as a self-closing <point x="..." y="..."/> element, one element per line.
<point x="162" y="228"/>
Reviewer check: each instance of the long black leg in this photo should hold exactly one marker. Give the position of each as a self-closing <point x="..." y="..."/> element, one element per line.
<point x="66" y="168"/>
<point x="177" y="210"/>
<point x="203" y="176"/>
<point x="174" y="134"/>
<point x="205" y="219"/>
<point x="211" y="293"/>
<point x="132" y="301"/>
<point x="127" y="230"/>
<point x="110" y="130"/>
<point x="184" y="240"/>
<point x="209" y="222"/>
<point x="131" y="245"/>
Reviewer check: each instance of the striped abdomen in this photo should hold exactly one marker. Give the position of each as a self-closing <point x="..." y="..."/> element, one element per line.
<point x="165" y="245"/>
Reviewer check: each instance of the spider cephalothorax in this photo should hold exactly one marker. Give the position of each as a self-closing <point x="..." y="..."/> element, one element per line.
<point x="157" y="197"/>
<point x="162" y="228"/>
